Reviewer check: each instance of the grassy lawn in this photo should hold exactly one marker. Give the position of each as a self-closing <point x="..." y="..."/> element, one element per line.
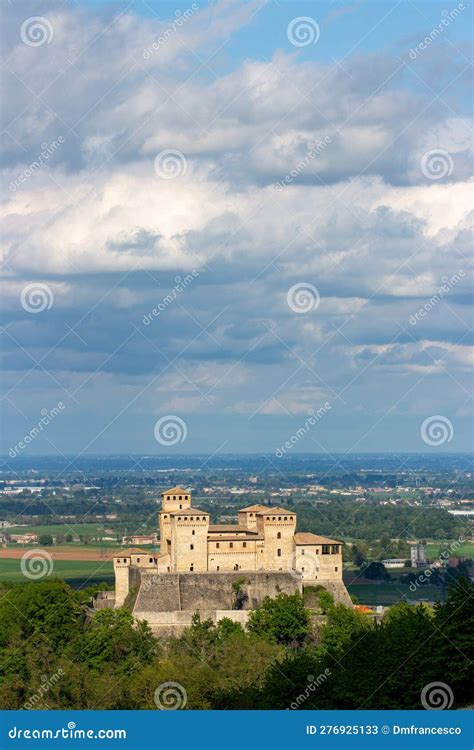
<point x="76" y="572"/>
<point x="387" y="593"/>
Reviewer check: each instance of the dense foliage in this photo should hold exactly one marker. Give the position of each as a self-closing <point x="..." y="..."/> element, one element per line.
<point x="53" y="655"/>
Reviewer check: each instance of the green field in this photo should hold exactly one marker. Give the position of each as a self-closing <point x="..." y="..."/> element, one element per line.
<point x="388" y="594"/>
<point x="434" y="548"/>
<point x="77" y="573"/>
<point x="80" y="529"/>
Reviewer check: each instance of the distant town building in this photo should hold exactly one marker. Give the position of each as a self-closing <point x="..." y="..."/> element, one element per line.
<point x="394" y="562"/>
<point x="24" y="538"/>
<point x="418" y="555"/>
<point x="140" y="539"/>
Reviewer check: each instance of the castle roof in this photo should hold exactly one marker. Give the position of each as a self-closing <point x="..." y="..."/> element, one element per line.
<point x="252" y="508"/>
<point x="131" y="551"/>
<point x="188" y="511"/>
<point x="176" y="491"/>
<point x="305" y="537"/>
<point x="275" y="512"/>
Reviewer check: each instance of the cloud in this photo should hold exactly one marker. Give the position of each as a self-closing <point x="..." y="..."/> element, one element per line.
<point x="294" y="171"/>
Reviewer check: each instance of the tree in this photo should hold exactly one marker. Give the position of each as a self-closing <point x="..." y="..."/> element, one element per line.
<point x="282" y="620"/>
<point x="376" y="571"/>
<point x="45" y="540"/>
<point x="115" y="638"/>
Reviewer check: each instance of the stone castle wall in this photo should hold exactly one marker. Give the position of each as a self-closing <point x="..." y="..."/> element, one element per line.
<point x="201" y="592"/>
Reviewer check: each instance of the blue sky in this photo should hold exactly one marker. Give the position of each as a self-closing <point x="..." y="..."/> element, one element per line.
<point x="233" y="226"/>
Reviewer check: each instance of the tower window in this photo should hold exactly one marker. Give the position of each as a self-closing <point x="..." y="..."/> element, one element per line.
<point x="279" y="535"/>
<point x="150" y="559"/>
<point x="302" y="551"/>
<point x="231" y="544"/>
<point x="180" y="497"/>
<point x="218" y="567"/>
<point x="191" y="546"/>
<point x="191" y="567"/>
<point x="217" y="545"/>
<point x="278" y="552"/>
<point x="325" y="549"/>
<point x="336" y="568"/>
<point x="244" y="544"/>
<point x="193" y="532"/>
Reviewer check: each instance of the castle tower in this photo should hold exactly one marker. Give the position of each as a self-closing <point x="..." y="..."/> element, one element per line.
<point x="126" y="563"/>
<point x="174" y="499"/>
<point x="278" y="527"/>
<point x="188" y="546"/>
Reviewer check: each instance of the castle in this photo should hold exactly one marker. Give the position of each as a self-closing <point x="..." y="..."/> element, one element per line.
<point x="199" y="562"/>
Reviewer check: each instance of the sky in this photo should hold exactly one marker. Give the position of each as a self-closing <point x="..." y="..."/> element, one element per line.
<point x="236" y="227"/>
